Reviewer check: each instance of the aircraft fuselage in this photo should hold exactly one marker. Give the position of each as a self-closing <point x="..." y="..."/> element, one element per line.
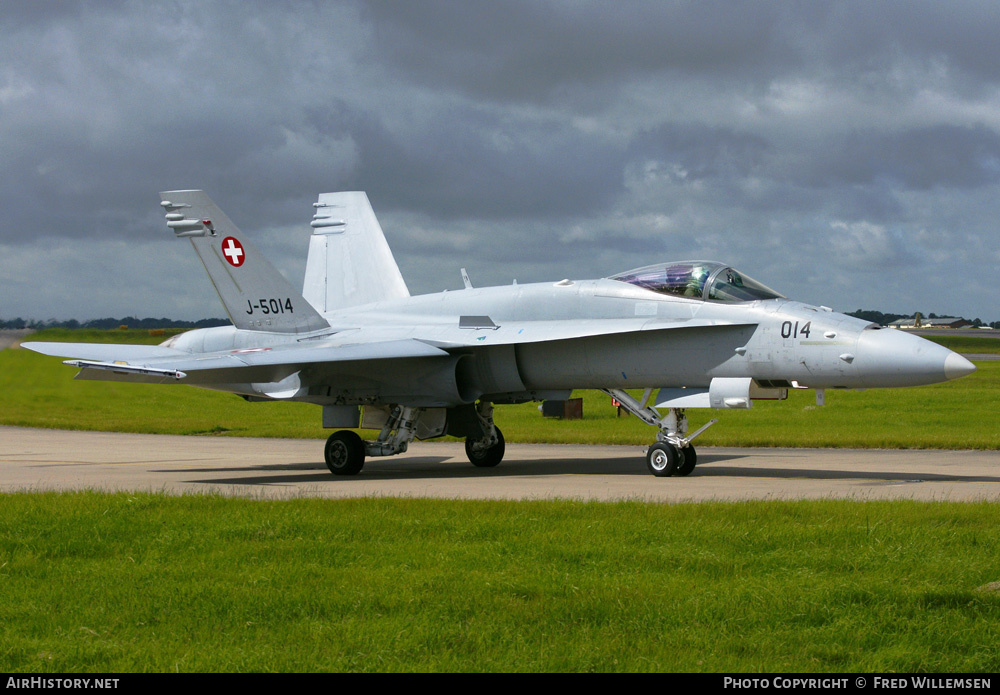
<point x="776" y="341"/>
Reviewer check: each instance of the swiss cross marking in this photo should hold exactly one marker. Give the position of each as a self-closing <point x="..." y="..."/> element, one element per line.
<point x="233" y="251"/>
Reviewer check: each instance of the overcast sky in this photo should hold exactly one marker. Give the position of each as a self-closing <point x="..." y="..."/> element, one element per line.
<point x="843" y="153"/>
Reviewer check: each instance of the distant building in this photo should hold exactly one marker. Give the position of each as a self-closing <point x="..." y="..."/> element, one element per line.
<point x="943" y="322"/>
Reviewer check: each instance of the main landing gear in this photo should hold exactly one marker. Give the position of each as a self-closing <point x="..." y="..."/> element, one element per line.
<point x="345" y="451"/>
<point x="486" y="451"/>
<point x="672" y="454"/>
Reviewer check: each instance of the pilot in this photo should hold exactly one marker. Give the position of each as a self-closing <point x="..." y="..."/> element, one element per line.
<point x="696" y="281"/>
<point x="676" y="278"/>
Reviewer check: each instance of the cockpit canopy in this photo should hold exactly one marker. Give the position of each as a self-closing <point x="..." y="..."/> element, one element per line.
<point x="698" y="280"/>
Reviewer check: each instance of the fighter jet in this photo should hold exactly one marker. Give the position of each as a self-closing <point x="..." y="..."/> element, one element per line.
<point x="688" y="334"/>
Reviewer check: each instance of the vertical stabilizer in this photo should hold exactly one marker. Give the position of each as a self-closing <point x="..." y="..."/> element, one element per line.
<point x="349" y="260"/>
<point x="256" y="296"/>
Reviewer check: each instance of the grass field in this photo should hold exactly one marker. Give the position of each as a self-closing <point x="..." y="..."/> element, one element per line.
<point x="121" y="583"/>
<point x="967" y="343"/>
<point x="964" y="414"/>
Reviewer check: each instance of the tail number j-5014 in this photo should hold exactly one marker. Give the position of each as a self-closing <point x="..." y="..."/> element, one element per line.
<point x="790" y="330"/>
<point x="271" y="306"/>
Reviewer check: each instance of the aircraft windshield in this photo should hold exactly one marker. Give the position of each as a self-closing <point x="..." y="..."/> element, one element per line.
<point x="698" y="280"/>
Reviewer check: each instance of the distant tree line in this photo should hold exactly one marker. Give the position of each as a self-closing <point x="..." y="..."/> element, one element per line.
<point x="109" y="323"/>
<point x="885" y="319"/>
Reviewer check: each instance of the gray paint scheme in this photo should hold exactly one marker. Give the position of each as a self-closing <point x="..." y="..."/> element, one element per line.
<point x="495" y="344"/>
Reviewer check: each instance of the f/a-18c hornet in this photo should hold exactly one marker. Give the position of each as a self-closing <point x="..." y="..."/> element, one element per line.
<point x="699" y="334"/>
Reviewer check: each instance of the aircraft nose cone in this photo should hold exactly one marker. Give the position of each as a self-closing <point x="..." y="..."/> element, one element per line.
<point x="956" y="366"/>
<point x="887" y="358"/>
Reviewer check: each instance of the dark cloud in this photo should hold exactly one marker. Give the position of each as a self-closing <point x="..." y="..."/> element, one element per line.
<point x="958" y="34"/>
<point x="537" y="140"/>
<point x="477" y="164"/>
<point x="524" y="50"/>
<point x="918" y="158"/>
<point x="16" y="15"/>
<point x="699" y="151"/>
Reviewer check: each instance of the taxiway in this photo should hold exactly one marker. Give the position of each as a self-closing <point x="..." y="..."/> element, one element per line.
<point x="39" y="459"/>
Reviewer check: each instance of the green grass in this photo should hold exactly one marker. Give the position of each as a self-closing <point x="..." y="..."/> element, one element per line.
<point x="962" y="343"/>
<point x="962" y="414"/>
<point x="136" y="582"/>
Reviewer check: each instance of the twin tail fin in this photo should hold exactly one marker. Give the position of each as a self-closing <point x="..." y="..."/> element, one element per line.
<point x="255" y="295"/>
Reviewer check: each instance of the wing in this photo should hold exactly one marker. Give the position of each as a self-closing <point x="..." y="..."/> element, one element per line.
<point x="443" y="364"/>
<point x="155" y="364"/>
<point x="103" y="351"/>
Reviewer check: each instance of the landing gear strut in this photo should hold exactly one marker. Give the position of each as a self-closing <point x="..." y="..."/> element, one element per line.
<point x="484" y="444"/>
<point x="489" y="450"/>
<point x="672" y="454"/>
<point x="346" y="451"/>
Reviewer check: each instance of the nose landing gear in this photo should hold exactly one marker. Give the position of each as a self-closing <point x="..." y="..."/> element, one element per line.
<point x="672" y="454"/>
<point x="664" y="459"/>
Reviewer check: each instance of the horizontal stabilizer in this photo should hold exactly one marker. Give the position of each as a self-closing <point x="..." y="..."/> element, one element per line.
<point x="297" y="356"/>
